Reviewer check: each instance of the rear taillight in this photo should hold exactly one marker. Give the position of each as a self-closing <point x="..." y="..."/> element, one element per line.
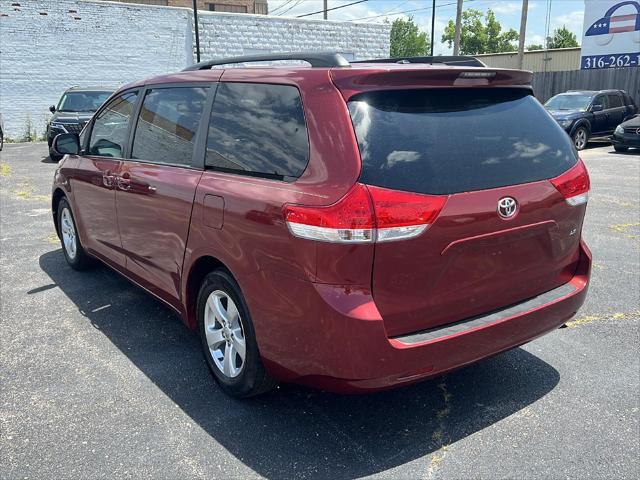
<point x="365" y="215"/>
<point x="574" y="184"/>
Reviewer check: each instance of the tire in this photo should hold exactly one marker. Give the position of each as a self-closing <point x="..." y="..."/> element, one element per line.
<point x="222" y="334"/>
<point x="580" y="138"/>
<point x="73" y="251"/>
<point x="620" y="148"/>
<point x="1" y="141"/>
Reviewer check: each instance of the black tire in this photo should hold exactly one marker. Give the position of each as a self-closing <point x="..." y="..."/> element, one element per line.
<point x="81" y="260"/>
<point x="1" y="141"/>
<point x="620" y="148"/>
<point x="253" y="379"/>
<point x="580" y="138"/>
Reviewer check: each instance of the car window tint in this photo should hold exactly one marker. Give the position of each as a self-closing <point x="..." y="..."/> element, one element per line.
<point x="109" y="132"/>
<point x="601" y="100"/>
<point x="258" y="129"/>
<point x="445" y="141"/>
<point x="167" y="125"/>
<point x="614" y="101"/>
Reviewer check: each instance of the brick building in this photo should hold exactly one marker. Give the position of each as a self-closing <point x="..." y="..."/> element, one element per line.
<point x="232" y="6"/>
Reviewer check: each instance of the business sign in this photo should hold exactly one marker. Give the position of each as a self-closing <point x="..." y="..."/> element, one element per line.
<point x="611" y="37"/>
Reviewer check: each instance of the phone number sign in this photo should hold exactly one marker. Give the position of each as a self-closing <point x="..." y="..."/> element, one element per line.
<point x="611" y="35"/>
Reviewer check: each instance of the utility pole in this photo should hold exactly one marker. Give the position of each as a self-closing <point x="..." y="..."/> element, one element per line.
<point x="456" y="41"/>
<point x="195" y="21"/>
<point x="433" y="24"/>
<point x="325" y="9"/>
<point x="523" y="32"/>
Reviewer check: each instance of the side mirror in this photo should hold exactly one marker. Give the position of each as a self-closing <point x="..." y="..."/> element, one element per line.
<point x="597" y="107"/>
<point x="66" y="144"/>
<point x="52" y="109"/>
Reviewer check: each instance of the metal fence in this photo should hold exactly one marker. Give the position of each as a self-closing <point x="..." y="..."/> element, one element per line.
<point x="548" y="84"/>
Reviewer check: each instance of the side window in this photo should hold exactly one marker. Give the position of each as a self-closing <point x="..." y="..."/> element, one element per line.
<point x="602" y="100"/>
<point x="258" y="129"/>
<point x="109" y="132"/>
<point x="614" y="101"/>
<point x="168" y="123"/>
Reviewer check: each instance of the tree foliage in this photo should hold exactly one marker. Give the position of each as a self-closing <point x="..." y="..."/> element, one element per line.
<point x="480" y="33"/>
<point x="535" y="46"/>
<point x="407" y="40"/>
<point x="562" y="38"/>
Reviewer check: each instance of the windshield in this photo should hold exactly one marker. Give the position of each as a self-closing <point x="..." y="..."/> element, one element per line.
<point x="569" y="102"/>
<point x="444" y="141"/>
<point x="82" y="101"/>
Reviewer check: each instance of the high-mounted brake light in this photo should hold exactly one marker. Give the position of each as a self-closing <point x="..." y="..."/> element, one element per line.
<point x="574" y="184"/>
<point x="366" y="214"/>
<point x="477" y="74"/>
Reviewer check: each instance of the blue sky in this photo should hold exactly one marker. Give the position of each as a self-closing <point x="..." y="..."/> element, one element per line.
<point x="563" y="12"/>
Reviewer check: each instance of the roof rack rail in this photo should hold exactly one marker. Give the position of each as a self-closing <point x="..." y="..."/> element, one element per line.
<point x="315" y="59"/>
<point x="455" y="61"/>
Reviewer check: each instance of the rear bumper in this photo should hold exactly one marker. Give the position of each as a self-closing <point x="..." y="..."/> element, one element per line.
<point x="344" y="348"/>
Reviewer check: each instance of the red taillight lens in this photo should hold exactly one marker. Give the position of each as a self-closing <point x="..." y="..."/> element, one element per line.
<point x="366" y="214"/>
<point x="574" y="184"/>
<point x="349" y="220"/>
<point x="403" y="214"/>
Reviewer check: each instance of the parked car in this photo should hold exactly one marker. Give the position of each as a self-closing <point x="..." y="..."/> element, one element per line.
<point x="73" y="112"/>
<point x="627" y="135"/>
<point x="1" y="132"/>
<point x="585" y="113"/>
<point x="346" y="226"/>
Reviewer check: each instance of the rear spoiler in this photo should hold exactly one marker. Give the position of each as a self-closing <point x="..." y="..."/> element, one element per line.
<point x="453" y="61"/>
<point x="351" y="81"/>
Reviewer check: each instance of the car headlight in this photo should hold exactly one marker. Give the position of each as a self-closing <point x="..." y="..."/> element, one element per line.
<point x="57" y="126"/>
<point x="619" y="130"/>
<point x="565" y="123"/>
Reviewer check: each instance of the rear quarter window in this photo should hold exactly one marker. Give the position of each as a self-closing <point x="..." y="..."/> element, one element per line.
<point x="444" y="141"/>
<point x="258" y="129"/>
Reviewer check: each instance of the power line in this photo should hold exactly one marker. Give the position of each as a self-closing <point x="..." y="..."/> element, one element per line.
<point x="282" y="5"/>
<point x="405" y="11"/>
<point x="329" y="9"/>
<point x="298" y="2"/>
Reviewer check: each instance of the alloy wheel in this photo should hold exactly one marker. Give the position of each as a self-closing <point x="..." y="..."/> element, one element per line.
<point x="224" y="334"/>
<point x="580" y="138"/>
<point x="68" y="233"/>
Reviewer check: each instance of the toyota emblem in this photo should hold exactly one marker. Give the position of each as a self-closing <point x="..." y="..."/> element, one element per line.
<point x="507" y="207"/>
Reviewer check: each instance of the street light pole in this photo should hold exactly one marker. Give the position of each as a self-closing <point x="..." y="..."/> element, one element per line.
<point x="456" y="41"/>
<point x="523" y="32"/>
<point x="433" y="24"/>
<point x="195" y="20"/>
<point x="325" y="9"/>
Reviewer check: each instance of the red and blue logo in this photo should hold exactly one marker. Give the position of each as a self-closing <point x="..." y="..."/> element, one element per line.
<point x="610" y="23"/>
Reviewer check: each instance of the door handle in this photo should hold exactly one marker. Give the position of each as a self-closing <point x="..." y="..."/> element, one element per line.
<point x="124" y="181"/>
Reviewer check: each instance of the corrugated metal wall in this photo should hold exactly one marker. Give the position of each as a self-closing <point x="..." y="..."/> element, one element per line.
<point x="548" y="84"/>
<point x="560" y="59"/>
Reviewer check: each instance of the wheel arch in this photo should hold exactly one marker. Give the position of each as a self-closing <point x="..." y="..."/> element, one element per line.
<point x="58" y="194"/>
<point x="198" y="270"/>
<point x="583" y="122"/>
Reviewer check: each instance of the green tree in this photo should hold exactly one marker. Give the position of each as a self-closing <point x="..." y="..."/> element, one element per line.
<point x="535" y="46"/>
<point x="407" y="40"/>
<point x="480" y="33"/>
<point x="562" y="38"/>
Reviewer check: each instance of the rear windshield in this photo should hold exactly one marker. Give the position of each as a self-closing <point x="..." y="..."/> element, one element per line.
<point x="443" y="141"/>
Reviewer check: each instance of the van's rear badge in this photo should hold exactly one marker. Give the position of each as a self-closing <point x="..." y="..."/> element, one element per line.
<point x="507" y="207"/>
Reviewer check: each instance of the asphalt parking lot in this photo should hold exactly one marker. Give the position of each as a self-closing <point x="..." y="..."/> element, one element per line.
<point x="99" y="380"/>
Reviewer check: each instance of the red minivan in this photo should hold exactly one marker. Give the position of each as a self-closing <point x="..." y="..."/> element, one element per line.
<point x="350" y="226"/>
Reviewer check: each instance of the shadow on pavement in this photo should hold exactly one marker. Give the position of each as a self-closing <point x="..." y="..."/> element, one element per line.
<point x="295" y="431"/>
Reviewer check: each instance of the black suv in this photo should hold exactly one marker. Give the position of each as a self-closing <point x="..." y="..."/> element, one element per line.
<point x="587" y="113"/>
<point x="75" y="108"/>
